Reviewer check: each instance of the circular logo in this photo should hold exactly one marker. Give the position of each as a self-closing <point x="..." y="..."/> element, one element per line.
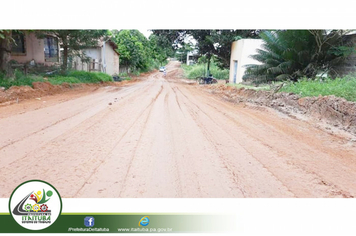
<point x="35" y="204"/>
<point x="144" y="221"/>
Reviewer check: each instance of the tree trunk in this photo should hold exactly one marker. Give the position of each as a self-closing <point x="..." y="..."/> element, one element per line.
<point x="208" y="70"/>
<point x="65" y="58"/>
<point x="5" y="51"/>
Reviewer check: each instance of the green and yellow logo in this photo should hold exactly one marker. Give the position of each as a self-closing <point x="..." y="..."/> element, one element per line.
<point x="35" y="210"/>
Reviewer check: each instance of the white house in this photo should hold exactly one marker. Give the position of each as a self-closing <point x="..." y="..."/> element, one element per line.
<point x="103" y="58"/>
<point x="240" y="57"/>
<point x="192" y="57"/>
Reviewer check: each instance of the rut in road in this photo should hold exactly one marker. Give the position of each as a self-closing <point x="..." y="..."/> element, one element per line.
<point x="165" y="138"/>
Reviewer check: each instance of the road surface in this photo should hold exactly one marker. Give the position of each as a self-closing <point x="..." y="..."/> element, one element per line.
<point x="162" y="137"/>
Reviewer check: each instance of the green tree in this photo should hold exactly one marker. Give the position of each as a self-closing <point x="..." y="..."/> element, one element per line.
<point x="160" y="48"/>
<point x="292" y="54"/>
<point x="209" y="42"/>
<point x="73" y="41"/>
<point x="139" y="53"/>
<point x="132" y="47"/>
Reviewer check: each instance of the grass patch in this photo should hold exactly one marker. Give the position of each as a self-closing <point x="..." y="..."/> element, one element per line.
<point x="89" y="77"/>
<point x="71" y="77"/>
<point x="124" y="76"/>
<point x="19" y="79"/>
<point x="57" y="80"/>
<point x="340" y="87"/>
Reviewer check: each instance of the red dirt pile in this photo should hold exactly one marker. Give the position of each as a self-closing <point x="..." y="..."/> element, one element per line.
<point x="334" y="110"/>
<point x="40" y="89"/>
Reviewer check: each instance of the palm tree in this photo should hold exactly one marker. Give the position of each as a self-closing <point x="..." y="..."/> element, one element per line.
<point x="292" y="54"/>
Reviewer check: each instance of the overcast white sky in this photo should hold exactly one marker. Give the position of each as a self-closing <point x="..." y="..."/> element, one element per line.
<point x="159" y="14"/>
<point x="145" y="32"/>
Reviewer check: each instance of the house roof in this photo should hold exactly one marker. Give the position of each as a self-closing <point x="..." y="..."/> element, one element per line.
<point x="114" y="46"/>
<point x="110" y="42"/>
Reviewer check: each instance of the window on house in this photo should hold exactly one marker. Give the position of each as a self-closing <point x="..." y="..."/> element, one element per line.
<point x="18" y="45"/>
<point x="51" y="49"/>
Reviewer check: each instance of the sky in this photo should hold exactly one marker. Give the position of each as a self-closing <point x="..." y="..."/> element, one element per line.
<point x="145" y="32"/>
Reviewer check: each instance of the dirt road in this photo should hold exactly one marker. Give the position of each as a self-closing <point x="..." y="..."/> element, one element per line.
<point x="165" y="138"/>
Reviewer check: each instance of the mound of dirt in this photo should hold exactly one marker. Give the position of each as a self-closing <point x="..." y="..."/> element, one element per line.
<point x="47" y="87"/>
<point x="19" y="92"/>
<point x="334" y="110"/>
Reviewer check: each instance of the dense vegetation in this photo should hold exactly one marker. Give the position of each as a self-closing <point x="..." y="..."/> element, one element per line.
<point x="294" y="54"/>
<point x="137" y="53"/>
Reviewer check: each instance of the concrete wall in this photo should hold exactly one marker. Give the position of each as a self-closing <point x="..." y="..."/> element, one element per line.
<point x="94" y="53"/>
<point x="34" y="50"/>
<point x="240" y="52"/>
<point x="112" y="60"/>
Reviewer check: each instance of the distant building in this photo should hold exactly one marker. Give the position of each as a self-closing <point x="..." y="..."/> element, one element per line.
<point x="241" y="51"/>
<point x="192" y="57"/>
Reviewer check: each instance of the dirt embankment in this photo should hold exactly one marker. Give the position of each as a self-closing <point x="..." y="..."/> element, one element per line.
<point x="333" y="110"/>
<point x="39" y="89"/>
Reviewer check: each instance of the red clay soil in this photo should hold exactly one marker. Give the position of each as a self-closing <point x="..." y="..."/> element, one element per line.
<point x="164" y="137"/>
<point x="337" y="112"/>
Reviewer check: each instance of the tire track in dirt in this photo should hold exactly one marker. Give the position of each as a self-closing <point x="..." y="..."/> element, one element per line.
<point x="132" y="124"/>
<point x="148" y="107"/>
<point x="139" y="139"/>
<point x="88" y="125"/>
<point x="248" y="125"/>
<point x="209" y="163"/>
<point x="240" y="182"/>
<point x="92" y="113"/>
<point x="174" y="142"/>
<point x="317" y="179"/>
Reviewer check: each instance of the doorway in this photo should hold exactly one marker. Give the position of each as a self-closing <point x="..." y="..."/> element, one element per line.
<point x="235" y="70"/>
